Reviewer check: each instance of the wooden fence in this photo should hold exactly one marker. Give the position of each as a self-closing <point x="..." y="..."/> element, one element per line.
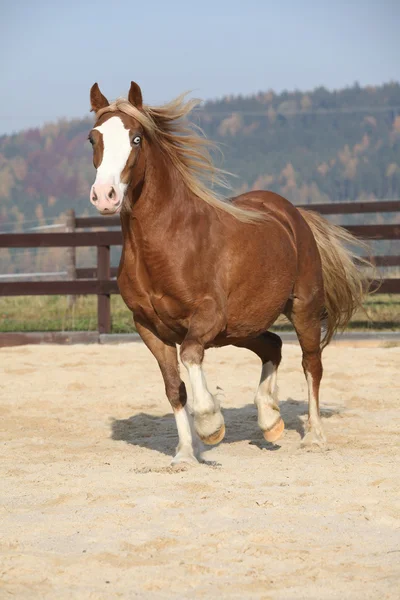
<point x="100" y="280"/>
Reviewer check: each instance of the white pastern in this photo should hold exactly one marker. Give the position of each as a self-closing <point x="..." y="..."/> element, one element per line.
<point x="117" y="148"/>
<point x="188" y="449"/>
<point x="203" y="401"/>
<point x="315" y="434"/>
<point x="207" y="416"/>
<point x="266" y="401"/>
<point x="312" y="401"/>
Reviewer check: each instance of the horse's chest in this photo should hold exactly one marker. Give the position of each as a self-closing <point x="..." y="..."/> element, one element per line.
<point x="162" y="312"/>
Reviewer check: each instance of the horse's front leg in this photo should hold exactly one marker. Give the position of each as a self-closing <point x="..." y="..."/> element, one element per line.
<point x="205" y="324"/>
<point x="167" y="359"/>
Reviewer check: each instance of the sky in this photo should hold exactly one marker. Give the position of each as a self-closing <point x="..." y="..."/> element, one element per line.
<point x="51" y="52"/>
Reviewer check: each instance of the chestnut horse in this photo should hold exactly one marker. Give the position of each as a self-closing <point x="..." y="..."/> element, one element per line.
<point x="200" y="271"/>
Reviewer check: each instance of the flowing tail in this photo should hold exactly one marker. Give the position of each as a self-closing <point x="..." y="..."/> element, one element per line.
<point x="346" y="285"/>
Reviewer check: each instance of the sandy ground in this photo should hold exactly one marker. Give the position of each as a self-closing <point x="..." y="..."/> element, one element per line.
<point x="91" y="509"/>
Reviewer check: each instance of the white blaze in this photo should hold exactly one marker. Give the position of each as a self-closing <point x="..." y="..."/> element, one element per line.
<point x="117" y="148"/>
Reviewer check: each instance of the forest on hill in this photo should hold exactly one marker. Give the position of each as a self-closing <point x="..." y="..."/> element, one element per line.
<point x="319" y="146"/>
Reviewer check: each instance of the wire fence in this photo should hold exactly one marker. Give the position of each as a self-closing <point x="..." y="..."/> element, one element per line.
<point x="257" y="113"/>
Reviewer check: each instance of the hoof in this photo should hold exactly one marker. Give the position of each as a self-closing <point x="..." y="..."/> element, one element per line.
<point x="275" y="432"/>
<point x="210" y="427"/>
<point x="215" y="438"/>
<point x="184" y="458"/>
<point x="314" y="440"/>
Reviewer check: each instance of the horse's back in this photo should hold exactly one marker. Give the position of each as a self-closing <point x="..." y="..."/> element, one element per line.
<point x="269" y="203"/>
<point x="279" y="211"/>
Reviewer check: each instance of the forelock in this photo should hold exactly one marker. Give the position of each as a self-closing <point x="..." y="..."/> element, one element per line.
<point x="126" y="108"/>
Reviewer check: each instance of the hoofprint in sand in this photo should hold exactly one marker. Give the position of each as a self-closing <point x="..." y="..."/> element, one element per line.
<point x="91" y="508"/>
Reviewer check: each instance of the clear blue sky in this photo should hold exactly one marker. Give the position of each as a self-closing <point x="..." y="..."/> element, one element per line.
<point x="51" y="51"/>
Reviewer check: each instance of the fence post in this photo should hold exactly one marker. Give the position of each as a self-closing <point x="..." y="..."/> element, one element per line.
<point x="103" y="300"/>
<point x="71" y="254"/>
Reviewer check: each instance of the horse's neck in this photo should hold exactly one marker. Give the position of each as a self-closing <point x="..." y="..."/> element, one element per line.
<point x="163" y="199"/>
<point x="156" y="210"/>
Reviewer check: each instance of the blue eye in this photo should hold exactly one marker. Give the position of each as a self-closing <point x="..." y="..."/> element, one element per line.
<point x="136" y="140"/>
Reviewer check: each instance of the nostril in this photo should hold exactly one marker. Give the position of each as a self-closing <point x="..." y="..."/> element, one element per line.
<point x="112" y="194"/>
<point x="94" y="196"/>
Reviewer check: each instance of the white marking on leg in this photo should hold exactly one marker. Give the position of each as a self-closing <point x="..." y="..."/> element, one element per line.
<point x="185" y="451"/>
<point x="266" y="397"/>
<point x="203" y="401"/>
<point x="267" y="386"/>
<point x="183" y="426"/>
<point x="315" y="433"/>
<point x="207" y="415"/>
<point x="312" y="401"/>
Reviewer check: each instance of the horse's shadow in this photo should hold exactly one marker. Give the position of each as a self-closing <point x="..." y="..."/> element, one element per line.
<point x="159" y="433"/>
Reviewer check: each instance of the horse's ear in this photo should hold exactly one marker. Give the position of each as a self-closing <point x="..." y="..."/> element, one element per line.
<point x="135" y="95"/>
<point x="97" y="100"/>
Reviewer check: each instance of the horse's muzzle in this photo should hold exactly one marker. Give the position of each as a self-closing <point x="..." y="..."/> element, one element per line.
<point x="106" y="198"/>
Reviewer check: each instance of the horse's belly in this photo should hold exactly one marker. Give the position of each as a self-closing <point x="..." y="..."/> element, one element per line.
<point x="255" y="305"/>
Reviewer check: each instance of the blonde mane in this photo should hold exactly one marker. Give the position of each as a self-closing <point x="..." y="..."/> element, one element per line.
<point x="187" y="149"/>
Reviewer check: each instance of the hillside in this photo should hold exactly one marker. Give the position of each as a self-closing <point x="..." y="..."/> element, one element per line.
<point x="318" y="146"/>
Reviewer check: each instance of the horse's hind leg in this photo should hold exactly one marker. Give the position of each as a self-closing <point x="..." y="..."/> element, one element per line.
<point x="268" y="347"/>
<point x="305" y="316"/>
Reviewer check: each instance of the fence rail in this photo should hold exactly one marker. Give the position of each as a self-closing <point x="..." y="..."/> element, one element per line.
<point x="333" y="208"/>
<point x="114" y="238"/>
<point x="102" y="285"/>
<point x="100" y="280"/>
<point x="354" y="208"/>
<point x="61" y="240"/>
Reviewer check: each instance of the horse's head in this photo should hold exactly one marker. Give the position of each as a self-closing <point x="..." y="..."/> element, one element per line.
<point x="117" y="140"/>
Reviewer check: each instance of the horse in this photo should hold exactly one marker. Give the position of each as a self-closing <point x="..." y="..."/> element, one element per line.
<point x="199" y="270"/>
